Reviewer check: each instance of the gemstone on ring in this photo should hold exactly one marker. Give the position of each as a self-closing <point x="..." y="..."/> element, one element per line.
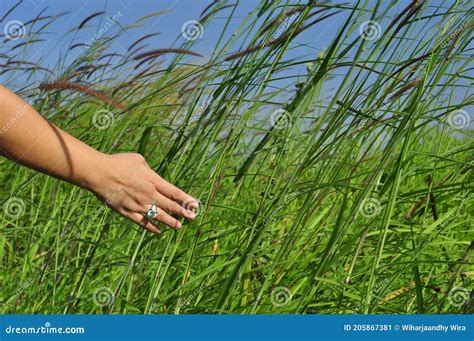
<point x="152" y="212"/>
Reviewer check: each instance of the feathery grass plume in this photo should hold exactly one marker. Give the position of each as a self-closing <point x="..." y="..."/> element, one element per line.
<point x="35" y="20"/>
<point x="82" y="70"/>
<point x="453" y="43"/>
<point x="26" y="43"/>
<point x="31" y="65"/>
<point x="142" y="39"/>
<point x="214" y="11"/>
<point x="416" y="206"/>
<point x="83" y="45"/>
<point x="193" y="80"/>
<point x="126" y="28"/>
<point x="123" y="86"/>
<point x="134" y="52"/>
<point x="400" y="15"/>
<point x="110" y="55"/>
<point x="413" y="84"/>
<point x="60" y="85"/>
<point x="159" y="52"/>
<point x="89" y="18"/>
<point x="97" y="68"/>
<point x="148" y="60"/>
<point x="279" y="40"/>
<point x="208" y="7"/>
<point x="148" y="73"/>
<point x="41" y="68"/>
<point x="78" y="71"/>
<point x="412" y="9"/>
<point x="11" y="10"/>
<point x="22" y="62"/>
<point x="282" y="17"/>
<point x="412" y="61"/>
<point x="151" y="15"/>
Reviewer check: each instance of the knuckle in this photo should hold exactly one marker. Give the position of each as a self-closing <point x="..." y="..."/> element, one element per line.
<point x="173" y="223"/>
<point x="177" y="194"/>
<point x="139" y="157"/>
<point x="174" y="207"/>
<point x="160" y="214"/>
<point x="142" y="222"/>
<point x="166" y="219"/>
<point x="152" y="226"/>
<point x="162" y="218"/>
<point x="149" y="192"/>
<point x="136" y="206"/>
<point x="178" y="208"/>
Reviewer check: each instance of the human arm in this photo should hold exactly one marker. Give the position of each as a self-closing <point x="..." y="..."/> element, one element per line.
<point x="124" y="181"/>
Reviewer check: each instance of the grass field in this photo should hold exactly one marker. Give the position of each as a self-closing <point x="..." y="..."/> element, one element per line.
<point x="335" y="181"/>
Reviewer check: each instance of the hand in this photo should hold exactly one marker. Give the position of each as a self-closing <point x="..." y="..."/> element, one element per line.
<point x="129" y="186"/>
<point x="124" y="181"/>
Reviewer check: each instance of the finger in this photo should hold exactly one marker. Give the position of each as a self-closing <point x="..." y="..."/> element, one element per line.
<point x="168" y="220"/>
<point x="143" y="222"/>
<point x="174" y="193"/>
<point x="171" y="206"/>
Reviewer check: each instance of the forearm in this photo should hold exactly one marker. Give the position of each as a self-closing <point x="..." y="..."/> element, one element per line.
<point x="29" y="139"/>
<point x="124" y="181"/>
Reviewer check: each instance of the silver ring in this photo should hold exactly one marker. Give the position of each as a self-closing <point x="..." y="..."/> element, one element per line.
<point x="152" y="212"/>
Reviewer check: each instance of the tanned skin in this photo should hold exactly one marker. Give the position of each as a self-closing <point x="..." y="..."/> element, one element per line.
<point x="124" y="181"/>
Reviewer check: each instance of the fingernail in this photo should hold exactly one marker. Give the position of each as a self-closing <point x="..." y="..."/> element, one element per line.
<point x="178" y="225"/>
<point x="191" y="215"/>
<point x="194" y="204"/>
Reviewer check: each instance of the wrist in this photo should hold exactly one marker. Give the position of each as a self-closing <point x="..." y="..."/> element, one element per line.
<point x="94" y="172"/>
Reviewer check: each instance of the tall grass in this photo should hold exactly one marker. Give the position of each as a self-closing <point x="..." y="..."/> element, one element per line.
<point x="342" y="188"/>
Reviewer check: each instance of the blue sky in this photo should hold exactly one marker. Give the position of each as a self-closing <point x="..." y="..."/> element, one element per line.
<point x="59" y="37"/>
<point x="169" y="25"/>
